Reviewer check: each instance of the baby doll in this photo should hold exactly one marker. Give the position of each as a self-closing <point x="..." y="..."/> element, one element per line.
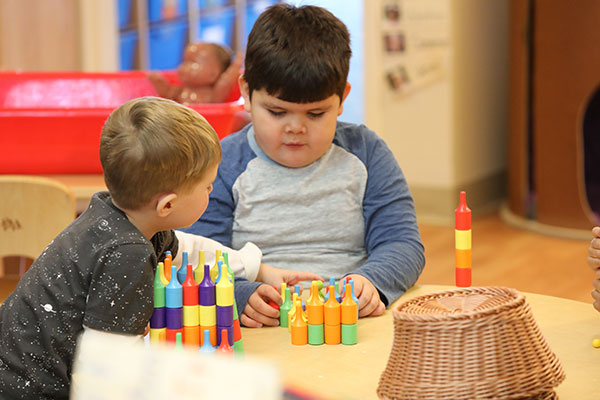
<point x="207" y="75"/>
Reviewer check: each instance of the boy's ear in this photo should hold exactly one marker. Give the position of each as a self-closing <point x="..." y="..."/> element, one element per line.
<point x="346" y="92"/>
<point x="164" y="204"/>
<point x="245" y="91"/>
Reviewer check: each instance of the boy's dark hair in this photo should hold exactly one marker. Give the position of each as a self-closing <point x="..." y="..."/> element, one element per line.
<point x="298" y="54"/>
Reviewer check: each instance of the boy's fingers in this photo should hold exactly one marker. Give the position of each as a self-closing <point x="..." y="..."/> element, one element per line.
<point x="366" y="302"/>
<point x="249" y="322"/>
<point x="369" y="306"/>
<point x="379" y="310"/>
<point x="259" y="316"/>
<point x="596" y="231"/>
<point x="594" y="245"/>
<point x="266" y="293"/>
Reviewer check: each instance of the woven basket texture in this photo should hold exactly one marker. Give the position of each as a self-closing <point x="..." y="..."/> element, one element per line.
<point x="470" y="343"/>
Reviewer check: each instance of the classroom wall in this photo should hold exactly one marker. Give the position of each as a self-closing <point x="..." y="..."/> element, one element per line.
<point x="450" y="134"/>
<point x="58" y="35"/>
<point x="25" y="39"/>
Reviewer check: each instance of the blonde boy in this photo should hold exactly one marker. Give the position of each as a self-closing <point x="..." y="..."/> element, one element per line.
<point x="160" y="160"/>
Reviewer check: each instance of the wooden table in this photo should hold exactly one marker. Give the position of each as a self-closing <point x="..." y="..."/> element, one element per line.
<point x="82" y="186"/>
<point x="353" y="372"/>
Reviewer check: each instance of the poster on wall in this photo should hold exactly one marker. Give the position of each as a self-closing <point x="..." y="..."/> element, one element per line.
<point x="415" y="41"/>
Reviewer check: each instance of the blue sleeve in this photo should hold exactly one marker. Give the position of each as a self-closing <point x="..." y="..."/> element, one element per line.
<point x="217" y="221"/>
<point x="396" y="255"/>
<point x="243" y="291"/>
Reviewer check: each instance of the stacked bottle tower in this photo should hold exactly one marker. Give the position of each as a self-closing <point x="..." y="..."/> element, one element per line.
<point x="315" y="316"/>
<point x="332" y="321"/>
<point x="194" y="309"/>
<point x="462" y="234"/>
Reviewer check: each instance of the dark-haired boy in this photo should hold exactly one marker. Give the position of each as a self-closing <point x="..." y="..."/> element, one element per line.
<point x="313" y="193"/>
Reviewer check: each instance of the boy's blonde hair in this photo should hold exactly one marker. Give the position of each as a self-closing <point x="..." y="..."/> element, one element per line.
<point x="152" y="145"/>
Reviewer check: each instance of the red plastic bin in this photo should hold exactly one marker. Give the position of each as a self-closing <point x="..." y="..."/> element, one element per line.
<point x="50" y="122"/>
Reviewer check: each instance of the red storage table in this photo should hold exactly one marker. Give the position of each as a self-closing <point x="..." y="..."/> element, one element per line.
<point x="50" y="122"/>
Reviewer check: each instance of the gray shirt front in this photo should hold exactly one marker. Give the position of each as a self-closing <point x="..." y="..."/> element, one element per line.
<point x="332" y="187"/>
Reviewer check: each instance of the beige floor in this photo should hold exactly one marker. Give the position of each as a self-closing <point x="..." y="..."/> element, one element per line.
<point x="502" y="256"/>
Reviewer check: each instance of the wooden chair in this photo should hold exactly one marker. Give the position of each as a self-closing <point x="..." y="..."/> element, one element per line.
<point x="33" y="210"/>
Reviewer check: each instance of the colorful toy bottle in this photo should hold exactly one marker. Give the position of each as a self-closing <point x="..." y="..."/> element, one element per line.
<point x="349" y="318"/>
<point x="332" y="318"/>
<point x="224" y="347"/>
<point x="285" y="308"/>
<point x="214" y="271"/>
<point x="174" y="303"/>
<point x="168" y="263"/>
<point x="299" y="326"/>
<point x="158" y="321"/>
<point x="208" y="306"/>
<point x="315" y="316"/>
<point x="191" y="311"/>
<point x="182" y="271"/>
<point x="206" y="347"/>
<point x="462" y="235"/>
<point x="225" y="300"/>
<point x="199" y="271"/>
<point x="163" y="276"/>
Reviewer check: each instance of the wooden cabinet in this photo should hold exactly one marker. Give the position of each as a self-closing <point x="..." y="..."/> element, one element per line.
<point x="554" y="75"/>
<point x="34" y="35"/>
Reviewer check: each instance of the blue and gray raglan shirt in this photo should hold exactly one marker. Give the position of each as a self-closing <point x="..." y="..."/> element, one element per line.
<point x="348" y="212"/>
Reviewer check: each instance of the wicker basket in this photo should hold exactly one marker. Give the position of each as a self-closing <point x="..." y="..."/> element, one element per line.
<point x="472" y="343"/>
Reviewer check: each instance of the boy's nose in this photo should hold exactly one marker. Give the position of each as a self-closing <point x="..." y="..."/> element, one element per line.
<point x="295" y="125"/>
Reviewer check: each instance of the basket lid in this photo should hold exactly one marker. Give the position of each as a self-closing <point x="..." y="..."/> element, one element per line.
<point x="468" y="343"/>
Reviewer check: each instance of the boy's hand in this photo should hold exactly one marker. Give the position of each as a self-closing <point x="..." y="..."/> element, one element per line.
<point x="369" y="303"/>
<point x="276" y="276"/>
<point x="593" y="258"/>
<point x="258" y="312"/>
<point x="593" y="261"/>
<point x="596" y="291"/>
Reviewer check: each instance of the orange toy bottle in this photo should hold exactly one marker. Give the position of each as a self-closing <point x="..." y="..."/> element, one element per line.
<point x="332" y="318"/>
<point x="298" y="326"/>
<point x="349" y="307"/>
<point x="314" y="306"/>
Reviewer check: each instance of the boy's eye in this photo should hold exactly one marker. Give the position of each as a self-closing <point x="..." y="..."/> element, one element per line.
<point x="316" y="114"/>
<point x="276" y="113"/>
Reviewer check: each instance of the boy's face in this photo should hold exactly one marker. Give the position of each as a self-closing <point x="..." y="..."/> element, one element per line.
<point x="293" y="134"/>
<point x="191" y="205"/>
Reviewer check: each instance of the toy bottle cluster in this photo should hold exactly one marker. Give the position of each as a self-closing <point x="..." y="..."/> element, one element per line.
<point x="332" y="319"/>
<point x="462" y="235"/>
<point x="196" y="308"/>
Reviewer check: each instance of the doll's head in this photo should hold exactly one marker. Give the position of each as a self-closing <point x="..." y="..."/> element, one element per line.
<point x="203" y="63"/>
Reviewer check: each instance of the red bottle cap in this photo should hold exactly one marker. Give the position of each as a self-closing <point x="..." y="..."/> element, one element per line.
<point x="463" y="214"/>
